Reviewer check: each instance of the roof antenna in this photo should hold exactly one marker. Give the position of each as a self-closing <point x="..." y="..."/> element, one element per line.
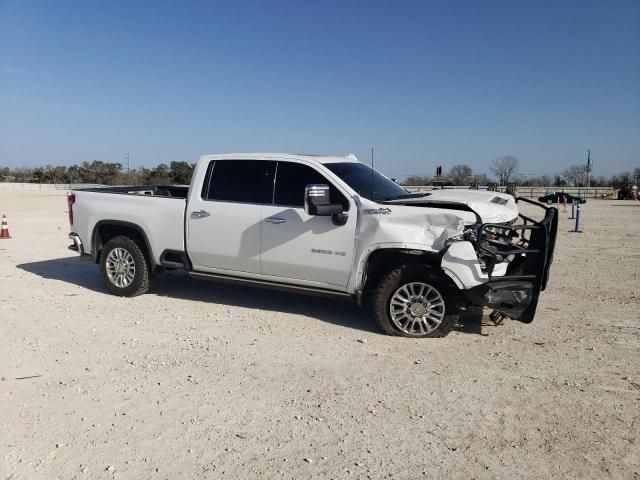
<point x="371" y="197"/>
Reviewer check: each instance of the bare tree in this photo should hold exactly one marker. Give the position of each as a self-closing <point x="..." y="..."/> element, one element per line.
<point x="504" y="168"/>
<point x="417" y="180"/>
<point x="542" y="181"/>
<point x="481" y="179"/>
<point x="576" y="175"/>
<point x="600" y="181"/>
<point x="461" y="174"/>
<point x="621" y="179"/>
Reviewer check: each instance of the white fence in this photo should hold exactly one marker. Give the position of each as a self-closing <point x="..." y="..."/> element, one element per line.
<point x="535" y="192"/>
<point x="46" y="186"/>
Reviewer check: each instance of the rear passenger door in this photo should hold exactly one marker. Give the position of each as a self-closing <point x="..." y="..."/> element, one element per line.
<point x="224" y="221"/>
<point x="305" y="247"/>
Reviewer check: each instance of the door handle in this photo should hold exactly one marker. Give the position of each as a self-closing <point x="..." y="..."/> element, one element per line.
<point x="200" y="214"/>
<point x="275" y="220"/>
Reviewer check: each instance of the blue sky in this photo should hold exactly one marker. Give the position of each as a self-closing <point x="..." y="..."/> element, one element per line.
<point x="425" y="83"/>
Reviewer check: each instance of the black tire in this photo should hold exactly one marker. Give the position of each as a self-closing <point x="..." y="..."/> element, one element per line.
<point x="142" y="277"/>
<point x="397" y="278"/>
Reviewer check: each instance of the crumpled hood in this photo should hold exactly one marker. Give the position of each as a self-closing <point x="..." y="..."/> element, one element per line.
<point x="426" y="223"/>
<point x="491" y="207"/>
<point x="410" y="227"/>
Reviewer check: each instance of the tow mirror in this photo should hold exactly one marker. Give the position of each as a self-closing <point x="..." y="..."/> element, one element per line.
<point x="317" y="201"/>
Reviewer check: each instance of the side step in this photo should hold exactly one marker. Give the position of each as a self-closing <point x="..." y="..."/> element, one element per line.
<point x="214" y="277"/>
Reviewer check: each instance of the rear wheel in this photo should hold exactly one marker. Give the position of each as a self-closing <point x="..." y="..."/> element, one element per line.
<point x="125" y="269"/>
<point x="413" y="301"/>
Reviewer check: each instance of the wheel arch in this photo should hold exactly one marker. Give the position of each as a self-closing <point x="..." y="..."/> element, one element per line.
<point x="105" y="230"/>
<point x="382" y="260"/>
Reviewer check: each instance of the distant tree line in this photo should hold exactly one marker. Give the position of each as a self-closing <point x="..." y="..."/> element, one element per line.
<point x="506" y="170"/>
<point x="503" y="170"/>
<point x="103" y="173"/>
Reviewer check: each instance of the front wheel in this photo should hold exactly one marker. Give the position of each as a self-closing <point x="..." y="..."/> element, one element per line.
<point x="413" y="301"/>
<point x="124" y="267"/>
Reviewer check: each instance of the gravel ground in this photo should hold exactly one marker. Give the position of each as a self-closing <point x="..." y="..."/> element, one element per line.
<point x="197" y="380"/>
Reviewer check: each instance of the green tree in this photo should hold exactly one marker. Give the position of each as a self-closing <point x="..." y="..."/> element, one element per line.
<point x="180" y="172"/>
<point x="161" y="175"/>
<point x="38" y="175"/>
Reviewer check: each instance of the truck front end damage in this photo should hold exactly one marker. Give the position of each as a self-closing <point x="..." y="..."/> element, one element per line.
<point x="497" y="256"/>
<point x="504" y="266"/>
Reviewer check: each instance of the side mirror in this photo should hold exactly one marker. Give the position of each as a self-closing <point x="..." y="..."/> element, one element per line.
<point x="317" y="201"/>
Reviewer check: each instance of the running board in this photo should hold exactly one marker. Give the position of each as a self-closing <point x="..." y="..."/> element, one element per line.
<point x="214" y="277"/>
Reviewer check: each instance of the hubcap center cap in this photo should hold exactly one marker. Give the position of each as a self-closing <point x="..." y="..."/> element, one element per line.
<point x="417" y="309"/>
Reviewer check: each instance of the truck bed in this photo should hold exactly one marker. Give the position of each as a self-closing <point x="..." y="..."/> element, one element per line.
<point x="166" y="191"/>
<point x="156" y="211"/>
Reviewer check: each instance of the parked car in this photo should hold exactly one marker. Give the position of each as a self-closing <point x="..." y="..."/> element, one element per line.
<point x="322" y="225"/>
<point x="556" y="197"/>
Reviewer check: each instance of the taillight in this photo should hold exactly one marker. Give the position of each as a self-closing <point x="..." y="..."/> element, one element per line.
<point x="71" y="199"/>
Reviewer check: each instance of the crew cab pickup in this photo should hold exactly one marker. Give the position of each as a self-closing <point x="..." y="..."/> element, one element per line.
<point x="323" y="225"/>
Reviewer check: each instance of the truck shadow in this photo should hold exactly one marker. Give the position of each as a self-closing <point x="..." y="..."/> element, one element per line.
<point x="471" y="321"/>
<point x="179" y="285"/>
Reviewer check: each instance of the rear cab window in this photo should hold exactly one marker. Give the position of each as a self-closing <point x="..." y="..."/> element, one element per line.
<point x="244" y="181"/>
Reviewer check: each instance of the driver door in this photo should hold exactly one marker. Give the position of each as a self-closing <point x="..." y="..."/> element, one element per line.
<point x="298" y="246"/>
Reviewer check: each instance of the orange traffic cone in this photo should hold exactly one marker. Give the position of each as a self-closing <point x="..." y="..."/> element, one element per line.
<point x="4" y="231"/>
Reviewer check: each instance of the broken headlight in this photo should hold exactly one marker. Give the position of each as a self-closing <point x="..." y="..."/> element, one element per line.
<point x="492" y="243"/>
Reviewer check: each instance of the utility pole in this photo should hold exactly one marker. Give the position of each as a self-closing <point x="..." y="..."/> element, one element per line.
<point x="589" y="167"/>
<point x="128" y="165"/>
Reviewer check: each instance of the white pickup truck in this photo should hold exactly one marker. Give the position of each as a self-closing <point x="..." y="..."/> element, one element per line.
<point x="323" y="225"/>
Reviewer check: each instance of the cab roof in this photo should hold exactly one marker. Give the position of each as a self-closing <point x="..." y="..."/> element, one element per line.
<point x="283" y="156"/>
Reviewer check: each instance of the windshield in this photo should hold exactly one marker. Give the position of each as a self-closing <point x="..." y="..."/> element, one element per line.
<point x="374" y="186"/>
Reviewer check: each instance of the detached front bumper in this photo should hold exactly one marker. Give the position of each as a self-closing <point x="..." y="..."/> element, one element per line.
<point x="516" y="293"/>
<point x="509" y="297"/>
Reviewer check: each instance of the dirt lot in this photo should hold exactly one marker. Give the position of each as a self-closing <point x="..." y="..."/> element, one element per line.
<point x="197" y="380"/>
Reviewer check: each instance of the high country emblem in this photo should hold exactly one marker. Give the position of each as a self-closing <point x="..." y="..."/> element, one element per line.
<point x="377" y="211"/>
<point x="328" y="252"/>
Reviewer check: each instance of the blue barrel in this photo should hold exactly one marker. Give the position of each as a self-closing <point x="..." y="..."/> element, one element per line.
<point x="573" y="209"/>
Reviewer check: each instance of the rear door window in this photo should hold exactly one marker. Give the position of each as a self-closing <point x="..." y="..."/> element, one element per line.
<point x="246" y="181"/>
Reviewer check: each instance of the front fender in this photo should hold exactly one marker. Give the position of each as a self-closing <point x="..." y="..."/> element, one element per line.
<point x="420" y="251"/>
